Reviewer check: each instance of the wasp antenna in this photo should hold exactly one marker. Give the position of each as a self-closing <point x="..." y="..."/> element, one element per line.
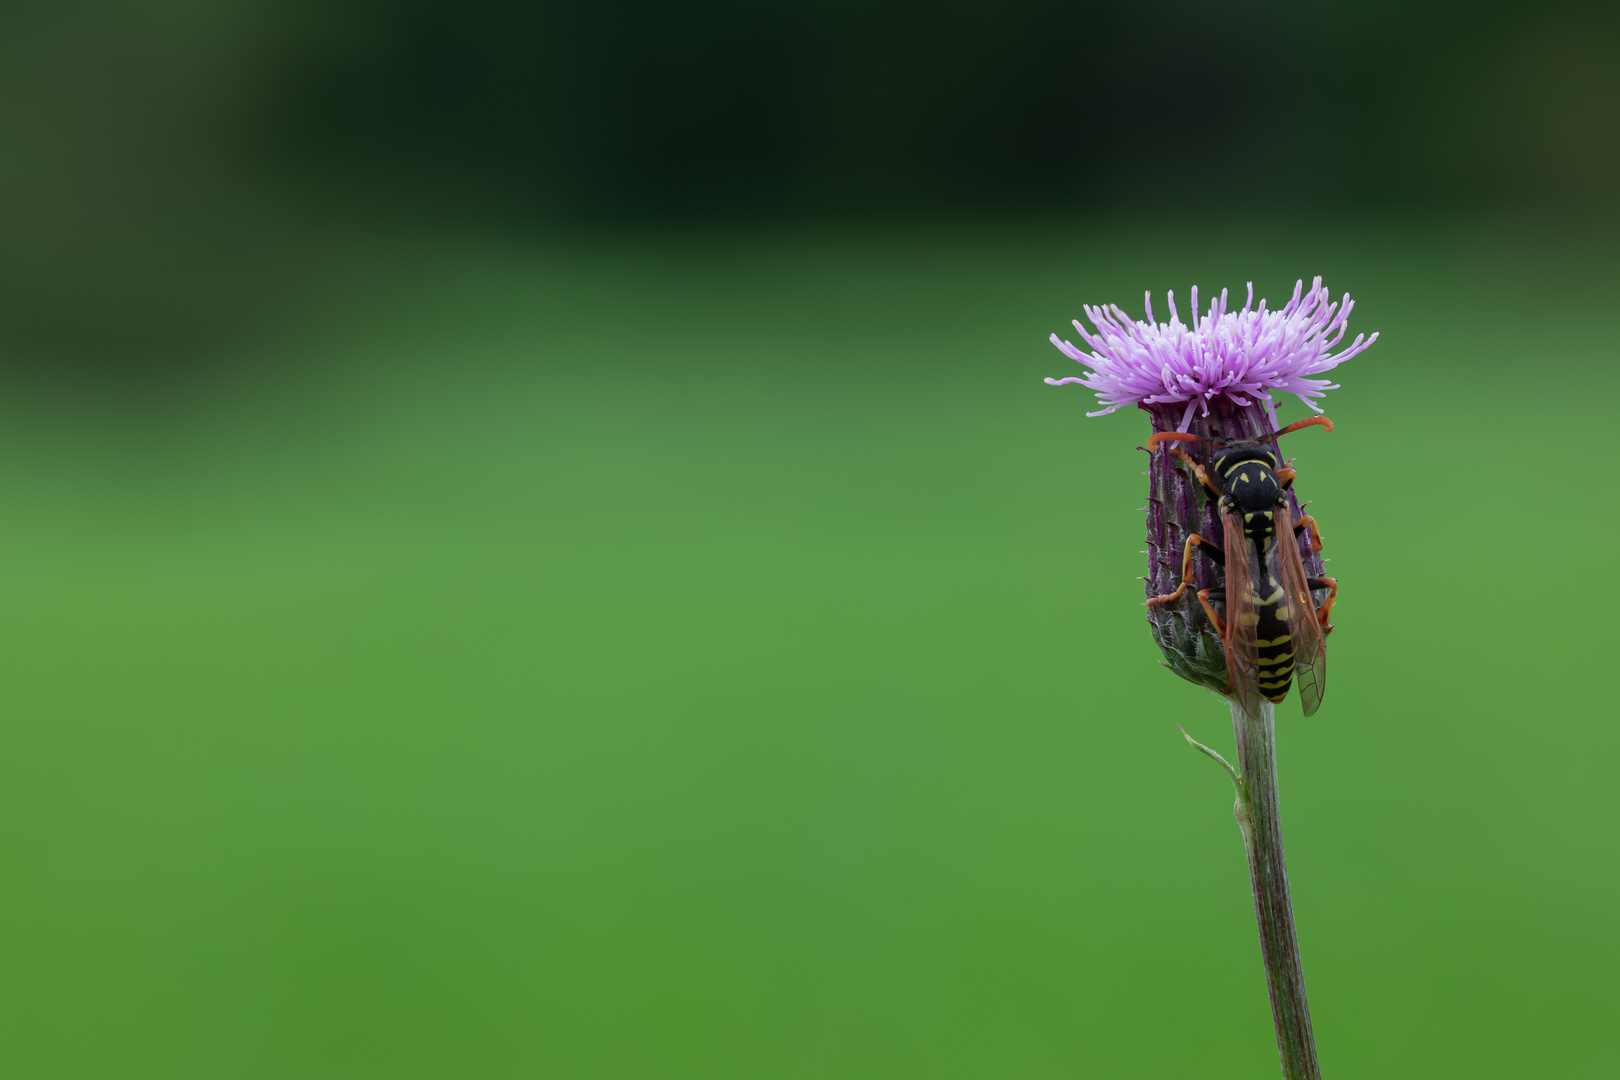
<point x="1170" y="436"/>
<point x="1309" y="421"/>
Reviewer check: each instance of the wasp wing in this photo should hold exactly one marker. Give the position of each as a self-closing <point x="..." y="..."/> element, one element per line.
<point x="1306" y="634"/>
<point x="1242" y="652"/>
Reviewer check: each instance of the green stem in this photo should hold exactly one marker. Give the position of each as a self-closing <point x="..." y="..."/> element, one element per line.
<point x="1258" y="816"/>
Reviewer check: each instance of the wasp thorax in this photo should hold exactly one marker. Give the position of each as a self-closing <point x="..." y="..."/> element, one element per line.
<point x="1253" y="488"/>
<point x="1246" y="475"/>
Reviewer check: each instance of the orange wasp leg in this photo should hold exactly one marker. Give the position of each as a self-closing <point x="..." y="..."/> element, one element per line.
<point x="1214" y="618"/>
<point x="1193" y="541"/>
<point x="1198" y="470"/>
<point x="1326" y="610"/>
<point x="1308" y="522"/>
<point x="1220" y="629"/>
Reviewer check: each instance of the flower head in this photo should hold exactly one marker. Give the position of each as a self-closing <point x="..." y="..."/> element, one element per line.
<point x="1242" y="356"/>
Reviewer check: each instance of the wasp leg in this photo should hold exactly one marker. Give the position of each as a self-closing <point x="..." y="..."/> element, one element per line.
<point x="1308" y="522"/>
<point x="1285" y="477"/>
<point x="1326" y="609"/>
<point x="1193" y="541"/>
<point x="1198" y="470"/>
<point x="1214" y="618"/>
<point x="1219" y="624"/>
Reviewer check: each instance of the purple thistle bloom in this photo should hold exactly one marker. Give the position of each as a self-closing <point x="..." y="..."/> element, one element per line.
<point x="1242" y="356"/>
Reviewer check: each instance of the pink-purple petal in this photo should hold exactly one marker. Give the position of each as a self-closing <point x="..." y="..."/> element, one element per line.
<point x="1241" y="355"/>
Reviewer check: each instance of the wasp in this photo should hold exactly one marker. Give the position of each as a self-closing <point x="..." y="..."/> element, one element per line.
<point x="1273" y="628"/>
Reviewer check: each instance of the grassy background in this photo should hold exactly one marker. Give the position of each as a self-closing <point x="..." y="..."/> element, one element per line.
<point x="719" y="656"/>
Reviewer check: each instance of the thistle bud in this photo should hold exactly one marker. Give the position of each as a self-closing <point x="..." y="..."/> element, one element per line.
<point x="1178" y="506"/>
<point x="1214" y="380"/>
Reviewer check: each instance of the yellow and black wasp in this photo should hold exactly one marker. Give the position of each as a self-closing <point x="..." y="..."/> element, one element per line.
<point x="1273" y="628"/>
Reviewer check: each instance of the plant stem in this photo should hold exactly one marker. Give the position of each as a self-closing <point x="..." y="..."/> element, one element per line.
<point x="1258" y="816"/>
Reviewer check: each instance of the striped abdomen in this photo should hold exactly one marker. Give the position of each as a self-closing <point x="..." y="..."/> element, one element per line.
<point x="1274" y="647"/>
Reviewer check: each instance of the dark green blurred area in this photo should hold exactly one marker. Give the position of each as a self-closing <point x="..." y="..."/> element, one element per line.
<point x="536" y="545"/>
<point x="166" y="157"/>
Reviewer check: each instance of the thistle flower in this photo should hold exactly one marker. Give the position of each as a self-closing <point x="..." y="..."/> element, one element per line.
<point x="1239" y="356"/>
<point x="1213" y="379"/>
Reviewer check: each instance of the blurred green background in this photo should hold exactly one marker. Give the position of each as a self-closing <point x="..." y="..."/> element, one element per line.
<point x="535" y="544"/>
